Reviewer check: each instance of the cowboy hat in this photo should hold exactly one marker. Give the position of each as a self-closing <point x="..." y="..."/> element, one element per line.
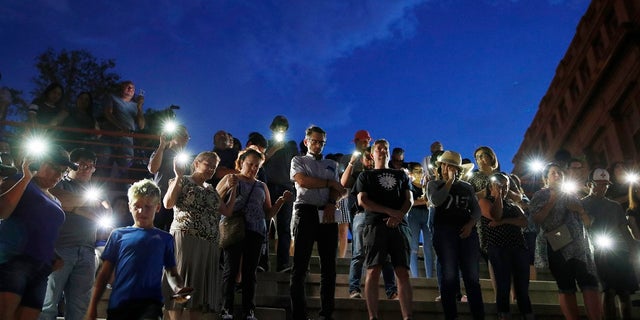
<point x="454" y="159"/>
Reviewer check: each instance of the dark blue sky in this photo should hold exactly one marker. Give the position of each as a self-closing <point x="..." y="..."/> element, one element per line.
<point x="465" y="72"/>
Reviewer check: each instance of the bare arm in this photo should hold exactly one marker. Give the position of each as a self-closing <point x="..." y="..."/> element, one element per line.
<point x="175" y="185"/>
<point x="540" y="216"/>
<point x="155" y="161"/>
<point x="272" y="210"/>
<point x="140" y="114"/>
<point x="98" y="289"/>
<point x="228" y="186"/>
<point x="12" y="191"/>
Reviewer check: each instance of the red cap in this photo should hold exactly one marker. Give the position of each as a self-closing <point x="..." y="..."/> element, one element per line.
<point x="362" y="135"/>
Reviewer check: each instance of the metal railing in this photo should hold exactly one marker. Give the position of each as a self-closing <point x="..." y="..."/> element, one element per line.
<point x="15" y="133"/>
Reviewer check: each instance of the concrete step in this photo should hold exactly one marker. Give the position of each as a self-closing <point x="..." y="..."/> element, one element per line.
<point x="277" y="284"/>
<point x="346" y="308"/>
<point x="343" y="264"/>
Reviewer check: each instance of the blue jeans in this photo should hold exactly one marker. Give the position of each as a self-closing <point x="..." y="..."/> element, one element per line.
<point x="75" y="279"/>
<point x="456" y="254"/>
<point x="357" y="261"/>
<point x="418" y="220"/>
<point x="508" y="263"/>
<point x="283" y="225"/>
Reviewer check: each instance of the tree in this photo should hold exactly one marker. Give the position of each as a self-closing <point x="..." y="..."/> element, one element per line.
<point x="76" y="71"/>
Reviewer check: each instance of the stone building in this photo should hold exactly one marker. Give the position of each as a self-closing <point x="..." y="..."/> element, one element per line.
<point x="592" y="107"/>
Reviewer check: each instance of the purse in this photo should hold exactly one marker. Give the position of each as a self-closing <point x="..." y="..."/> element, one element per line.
<point x="232" y="229"/>
<point x="559" y="237"/>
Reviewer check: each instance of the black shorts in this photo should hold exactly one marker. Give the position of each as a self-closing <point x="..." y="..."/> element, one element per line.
<point x="381" y="242"/>
<point x="568" y="273"/>
<point x="142" y="309"/>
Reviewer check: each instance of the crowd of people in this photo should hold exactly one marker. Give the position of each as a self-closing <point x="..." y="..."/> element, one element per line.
<point x="164" y="255"/>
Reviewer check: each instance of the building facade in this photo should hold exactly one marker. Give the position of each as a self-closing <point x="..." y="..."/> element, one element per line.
<point x="591" y="110"/>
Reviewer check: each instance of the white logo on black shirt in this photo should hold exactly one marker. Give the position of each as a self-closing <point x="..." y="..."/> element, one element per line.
<point x="387" y="180"/>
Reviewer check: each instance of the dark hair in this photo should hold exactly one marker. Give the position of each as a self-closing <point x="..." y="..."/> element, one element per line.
<point x="257" y="139"/>
<point x="48" y="90"/>
<point x="515" y="183"/>
<point x="315" y="129"/>
<point x="82" y="153"/>
<point x="413" y="165"/>
<point x="242" y="155"/>
<point x="547" y="168"/>
<point x="279" y="121"/>
<point x="487" y="150"/>
<point x="397" y="150"/>
<point x="495" y="176"/>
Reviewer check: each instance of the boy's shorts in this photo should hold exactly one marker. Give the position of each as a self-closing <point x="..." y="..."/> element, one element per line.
<point x="136" y="309"/>
<point x="26" y="277"/>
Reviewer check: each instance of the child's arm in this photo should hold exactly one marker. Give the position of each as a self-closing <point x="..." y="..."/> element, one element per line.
<point x="98" y="289"/>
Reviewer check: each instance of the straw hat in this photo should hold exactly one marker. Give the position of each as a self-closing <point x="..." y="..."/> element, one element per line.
<point x="454" y="159"/>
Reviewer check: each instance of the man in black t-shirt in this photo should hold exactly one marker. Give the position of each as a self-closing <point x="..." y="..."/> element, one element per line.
<point x="385" y="195"/>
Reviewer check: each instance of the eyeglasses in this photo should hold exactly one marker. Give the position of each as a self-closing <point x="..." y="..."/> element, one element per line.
<point x="319" y="142"/>
<point x="86" y="165"/>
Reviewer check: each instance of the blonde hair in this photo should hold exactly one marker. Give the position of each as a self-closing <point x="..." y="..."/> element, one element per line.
<point x="144" y="188"/>
<point x="205" y="155"/>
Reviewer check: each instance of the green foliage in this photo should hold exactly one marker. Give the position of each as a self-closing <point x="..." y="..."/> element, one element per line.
<point x="76" y="71"/>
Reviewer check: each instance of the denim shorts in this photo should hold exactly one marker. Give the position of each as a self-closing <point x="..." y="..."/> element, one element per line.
<point x="26" y="277"/>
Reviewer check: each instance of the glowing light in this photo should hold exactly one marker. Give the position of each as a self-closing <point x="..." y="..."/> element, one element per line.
<point x="569" y="187"/>
<point x="357" y="153"/>
<point x="631" y="177"/>
<point x="279" y="136"/>
<point x="603" y="241"/>
<point x="169" y="127"/>
<point x="93" y="193"/>
<point x="105" y="222"/>
<point x="183" y="158"/>
<point x="536" y="165"/>
<point x="36" y="146"/>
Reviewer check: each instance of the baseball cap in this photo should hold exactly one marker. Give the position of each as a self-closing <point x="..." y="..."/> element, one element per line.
<point x="599" y="175"/>
<point x="362" y="135"/>
<point x="58" y="155"/>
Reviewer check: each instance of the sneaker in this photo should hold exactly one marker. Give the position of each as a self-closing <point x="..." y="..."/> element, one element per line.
<point x="438" y="298"/>
<point x="260" y="269"/>
<point x="225" y="315"/>
<point x="355" y="295"/>
<point x="393" y="296"/>
<point x="285" y="270"/>
<point x="251" y="316"/>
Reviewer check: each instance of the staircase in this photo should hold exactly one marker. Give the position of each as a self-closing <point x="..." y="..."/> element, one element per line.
<point x="272" y="297"/>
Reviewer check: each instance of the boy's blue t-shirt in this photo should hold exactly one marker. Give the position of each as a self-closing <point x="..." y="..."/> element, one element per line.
<point x="139" y="256"/>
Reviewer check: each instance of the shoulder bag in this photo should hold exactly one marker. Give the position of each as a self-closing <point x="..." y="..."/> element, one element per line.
<point x="232" y="228"/>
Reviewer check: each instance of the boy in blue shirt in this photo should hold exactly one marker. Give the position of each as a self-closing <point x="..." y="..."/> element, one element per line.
<point x="137" y="255"/>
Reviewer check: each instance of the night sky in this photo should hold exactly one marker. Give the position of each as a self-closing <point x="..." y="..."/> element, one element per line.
<point x="464" y="72"/>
